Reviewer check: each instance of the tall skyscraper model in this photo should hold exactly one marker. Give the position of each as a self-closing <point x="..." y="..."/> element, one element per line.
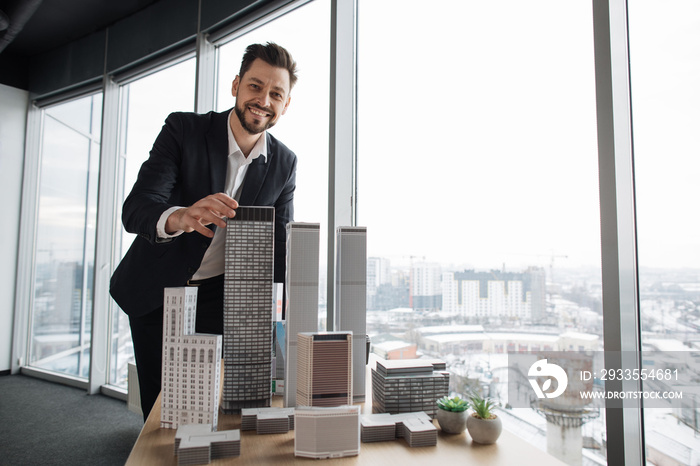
<point x="191" y="374"/>
<point x="302" y="296"/>
<point x="351" y="298"/>
<point x="248" y="283"/>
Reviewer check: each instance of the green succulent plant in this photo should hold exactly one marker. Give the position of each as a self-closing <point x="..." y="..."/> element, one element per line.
<point x="482" y="406"/>
<point x="455" y="404"/>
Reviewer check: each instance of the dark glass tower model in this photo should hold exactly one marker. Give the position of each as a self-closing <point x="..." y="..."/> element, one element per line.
<point x="351" y="299"/>
<point x="248" y="283"/>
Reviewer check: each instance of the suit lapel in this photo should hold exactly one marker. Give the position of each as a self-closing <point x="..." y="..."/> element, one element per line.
<point x="254" y="177"/>
<point x="217" y="148"/>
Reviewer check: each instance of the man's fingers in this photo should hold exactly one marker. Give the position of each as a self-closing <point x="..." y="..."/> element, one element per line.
<point x="219" y="204"/>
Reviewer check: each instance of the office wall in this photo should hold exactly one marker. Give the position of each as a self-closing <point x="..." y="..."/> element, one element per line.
<point x="13" y="120"/>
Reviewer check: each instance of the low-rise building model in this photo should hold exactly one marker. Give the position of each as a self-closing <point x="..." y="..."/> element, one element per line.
<point x="408" y="385"/>
<point x="191" y="372"/>
<point x="197" y="444"/>
<point x="327" y="432"/>
<point x="416" y="428"/>
<point x="268" y="420"/>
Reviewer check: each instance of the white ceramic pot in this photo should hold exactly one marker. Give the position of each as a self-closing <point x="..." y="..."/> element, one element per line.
<point x="485" y="431"/>
<point x="452" y="422"/>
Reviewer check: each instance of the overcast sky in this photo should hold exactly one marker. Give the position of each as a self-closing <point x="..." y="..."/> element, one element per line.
<point x="477" y="128"/>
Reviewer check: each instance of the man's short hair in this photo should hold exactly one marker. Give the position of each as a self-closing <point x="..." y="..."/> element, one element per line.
<point x="272" y="54"/>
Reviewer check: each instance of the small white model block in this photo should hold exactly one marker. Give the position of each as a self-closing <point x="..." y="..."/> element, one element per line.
<point x="191" y="372"/>
<point x="417" y="428"/>
<point x="327" y="432"/>
<point x="351" y="298"/>
<point x="268" y="420"/>
<point x="302" y="296"/>
<point x="194" y="445"/>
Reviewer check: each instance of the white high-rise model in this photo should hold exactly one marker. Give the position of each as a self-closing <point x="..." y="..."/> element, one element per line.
<point x="248" y="298"/>
<point x="191" y="373"/>
<point x="351" y="298"/>
<point x="302" y="296"/>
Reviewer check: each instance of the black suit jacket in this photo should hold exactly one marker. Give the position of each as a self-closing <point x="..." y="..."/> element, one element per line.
<point x="187" y="163"/>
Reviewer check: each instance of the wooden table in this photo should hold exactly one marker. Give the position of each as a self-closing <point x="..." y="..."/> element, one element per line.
<point x="155" y="447"/>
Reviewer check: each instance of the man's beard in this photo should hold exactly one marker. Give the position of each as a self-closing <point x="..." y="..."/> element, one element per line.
<point x="240" y="113"/>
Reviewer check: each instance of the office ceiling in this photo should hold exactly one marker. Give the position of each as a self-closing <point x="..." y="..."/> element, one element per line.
<point x="30" y="27"/>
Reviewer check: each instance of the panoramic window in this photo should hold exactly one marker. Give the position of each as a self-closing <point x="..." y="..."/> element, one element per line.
<point x="304" y="128"/>
<point x="145" y="103"/>
<point x="478" y="185"/>
<point x="65" y="237"/>
<point x="665" y="71"/>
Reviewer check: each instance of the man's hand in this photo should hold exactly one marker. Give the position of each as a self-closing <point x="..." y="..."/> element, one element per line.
<point x="212" y="209"/>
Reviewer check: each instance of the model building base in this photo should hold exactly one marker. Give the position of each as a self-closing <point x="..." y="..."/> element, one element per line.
<point x="416" y="428"/>
<point x="197" y="444"/>
<point x="327" y="432"/>
<point x="268" y="420"/>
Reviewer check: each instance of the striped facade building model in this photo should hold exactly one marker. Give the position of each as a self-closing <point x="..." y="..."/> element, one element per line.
<point x="351" y="298"/>
<point x="302" y="296"/>
<point x="324" y="370"/>
<point x="248" y="298"/>
<point x="191" y="373"/>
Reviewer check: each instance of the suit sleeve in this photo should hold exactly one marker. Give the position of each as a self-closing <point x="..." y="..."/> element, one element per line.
<point x="157" y="178"/>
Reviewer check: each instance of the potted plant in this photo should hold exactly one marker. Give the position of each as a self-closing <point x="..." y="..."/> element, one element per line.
<point x="452" y="414"/>
<point x="483" y="425"/>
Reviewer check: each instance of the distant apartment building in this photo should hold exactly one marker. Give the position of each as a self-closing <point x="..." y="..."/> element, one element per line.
<point x="351" y="298"/>
<point x="191" y="373"/>
<point x="425" y="288"/>
<point x="378" y="274"/>
<point x="248" y="299"/>
<point x="495" y="294"/>
<point x="302" y="296"/>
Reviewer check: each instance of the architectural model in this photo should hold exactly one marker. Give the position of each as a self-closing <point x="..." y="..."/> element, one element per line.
<point x="408" y="385"/>
<point x="197" y="444"/>
<point x="327" y="432"/>
<point x="351" y="298"/>
<point x="324" y="369"/>
<point x="302" y="296"/>
<point x="416" y="428"/>
<point x="191" y="373"/>
<point x="268" y="420"/>
<point x="248" y="297"/>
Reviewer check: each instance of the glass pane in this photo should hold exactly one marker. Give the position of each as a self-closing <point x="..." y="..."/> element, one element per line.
<point x="65" y="244"/>
<point x="145" y="105"/>
<point x="665" y="71"/>
<point x="304" y="128"/>
<point x="480" y="197"/>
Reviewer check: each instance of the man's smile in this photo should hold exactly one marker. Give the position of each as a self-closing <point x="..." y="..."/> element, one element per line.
<point x="259" y="112"/>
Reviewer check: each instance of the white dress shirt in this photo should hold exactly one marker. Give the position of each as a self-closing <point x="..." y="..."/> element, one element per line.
<point x="213" y="261"/>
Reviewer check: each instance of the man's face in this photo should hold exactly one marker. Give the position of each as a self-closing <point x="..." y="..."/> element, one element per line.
<point x="262" y="96"/>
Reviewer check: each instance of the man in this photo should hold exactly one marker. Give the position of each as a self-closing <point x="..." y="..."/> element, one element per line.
<point x="201" y="168"/>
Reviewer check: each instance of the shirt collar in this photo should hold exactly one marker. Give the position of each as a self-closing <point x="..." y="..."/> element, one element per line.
<point x="259" y="149"/>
